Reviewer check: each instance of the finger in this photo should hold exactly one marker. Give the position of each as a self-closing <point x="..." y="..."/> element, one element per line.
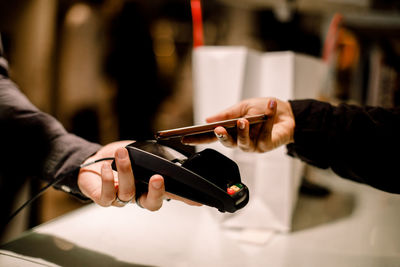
<point x="153" y="200"/>
<point x="235" y="111"/>
<point x="90" y="184"/>
<point x="243" y="135"/>
<point x="264" y="140"/>
<point x="126" y="181"/>
<point x="108" y="191"/>
<point x="223" y="136"/>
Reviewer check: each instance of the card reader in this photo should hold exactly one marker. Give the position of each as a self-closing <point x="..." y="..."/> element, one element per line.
<point x="207" y="177"/>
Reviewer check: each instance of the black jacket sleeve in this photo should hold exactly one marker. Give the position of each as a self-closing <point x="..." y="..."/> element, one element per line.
<point x="34" y="144"/>
<point x="358" y="143"/>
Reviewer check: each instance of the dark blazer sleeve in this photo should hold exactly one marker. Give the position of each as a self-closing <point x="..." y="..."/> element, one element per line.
<point x="34" y="144"/>
<point x="358" y="143"/>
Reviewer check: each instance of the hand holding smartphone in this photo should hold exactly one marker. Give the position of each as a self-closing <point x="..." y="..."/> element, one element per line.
<point x="207" y="128"/>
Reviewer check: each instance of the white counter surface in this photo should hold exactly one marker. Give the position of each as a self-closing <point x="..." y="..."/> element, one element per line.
<point x="354" y="226"/>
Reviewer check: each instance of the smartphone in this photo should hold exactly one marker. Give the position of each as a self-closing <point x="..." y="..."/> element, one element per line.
<point x="208" y="127"/>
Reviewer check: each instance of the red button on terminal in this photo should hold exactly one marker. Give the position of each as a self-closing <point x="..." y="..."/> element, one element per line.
<point x="230" y="191"/>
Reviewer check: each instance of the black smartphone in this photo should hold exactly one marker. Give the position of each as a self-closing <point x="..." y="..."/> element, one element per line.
<point x="208" y="127"/>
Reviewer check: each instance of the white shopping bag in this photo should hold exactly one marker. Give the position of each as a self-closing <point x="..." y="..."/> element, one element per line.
<point x="223" y="76"/>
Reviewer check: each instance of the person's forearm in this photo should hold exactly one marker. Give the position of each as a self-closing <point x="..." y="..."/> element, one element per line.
<point x="357" y="143"/>
<point x="33" y="142"/>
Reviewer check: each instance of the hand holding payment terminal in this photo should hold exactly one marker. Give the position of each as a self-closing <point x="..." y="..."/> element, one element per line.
<point x="207" y="177"/>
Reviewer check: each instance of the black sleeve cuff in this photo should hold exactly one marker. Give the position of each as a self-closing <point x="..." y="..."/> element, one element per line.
<point x="311" y="143"/>
<point x="73" y="151"/>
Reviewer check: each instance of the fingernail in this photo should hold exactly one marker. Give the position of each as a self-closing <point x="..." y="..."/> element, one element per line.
<point x="220" y="136"/>
<point x="121" y="153"/>
<point x="157" y="184"/>
<point x="272" y="104"/>
<point x="242" y="125"/>
<point x="106" y="166"/>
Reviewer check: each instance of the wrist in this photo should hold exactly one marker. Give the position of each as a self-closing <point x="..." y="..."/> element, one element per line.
<point x="291" y="121"/>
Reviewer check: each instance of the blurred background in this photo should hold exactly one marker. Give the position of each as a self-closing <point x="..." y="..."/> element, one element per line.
<point x="121" y="69"/>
